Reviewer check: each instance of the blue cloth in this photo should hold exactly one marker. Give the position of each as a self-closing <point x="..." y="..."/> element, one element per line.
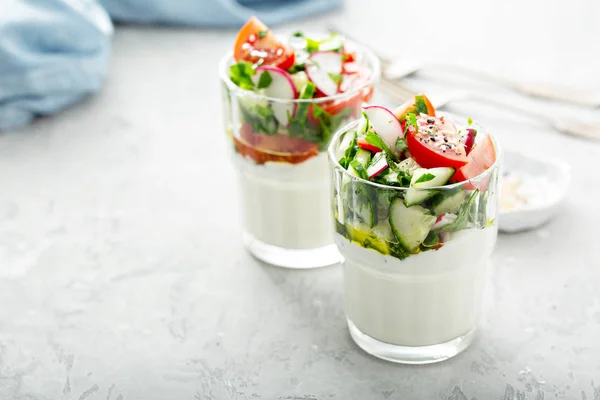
<point x="54" y="53"/>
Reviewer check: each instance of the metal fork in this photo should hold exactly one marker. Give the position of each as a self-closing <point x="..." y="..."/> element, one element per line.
<point x="537" y="90"/>
<point x="400" y="92"/>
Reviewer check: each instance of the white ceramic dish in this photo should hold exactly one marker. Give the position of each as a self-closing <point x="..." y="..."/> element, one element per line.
<point x="557" y="175"/>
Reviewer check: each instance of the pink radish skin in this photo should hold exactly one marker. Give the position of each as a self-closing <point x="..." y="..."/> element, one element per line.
<point x="281" y="87"/>
<point x="377" y="168"/>
<point x="469" y="140"/>
<point x="320" y="65"/>
<point x="385" y="124"/>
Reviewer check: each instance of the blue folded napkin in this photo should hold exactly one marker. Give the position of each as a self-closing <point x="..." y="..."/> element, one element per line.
<point x="54" y="53"/>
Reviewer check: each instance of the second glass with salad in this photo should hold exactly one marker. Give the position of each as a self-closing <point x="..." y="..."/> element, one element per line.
<point x="284" y="98"/>
<point x="414" y="199"/>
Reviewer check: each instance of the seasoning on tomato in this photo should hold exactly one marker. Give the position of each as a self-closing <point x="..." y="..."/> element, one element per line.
<point x="434" y="142"/>
<point x="257" y="44"/>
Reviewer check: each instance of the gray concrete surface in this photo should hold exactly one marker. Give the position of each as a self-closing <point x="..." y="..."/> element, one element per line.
<point x="122" y="275"/>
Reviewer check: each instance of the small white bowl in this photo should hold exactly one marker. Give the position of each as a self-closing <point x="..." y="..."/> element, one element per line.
<point x="530" y="216"/>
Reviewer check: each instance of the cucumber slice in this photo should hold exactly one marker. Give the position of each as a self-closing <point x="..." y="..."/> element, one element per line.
<point x="363" y="207"/>
<point x="422" y="177"/>
<point x="376" y="238"/>
<point x="425" y="178"/>
<point x="409" y="165"/>
<point x="363" y="158"/>
<point x="410" y="224"/>
<point x="448" y="202"/>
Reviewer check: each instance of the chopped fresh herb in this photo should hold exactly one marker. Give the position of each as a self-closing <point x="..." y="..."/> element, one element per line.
<point x="411" y="120"/>
<point x="262" y="119"/>
<point x="262" y="34"/>
<point x="462" y="218"/>
<point x="396" y="250"/>
<point x="431" y="241"/>
<point x="426" y="177"/>
<point x="358" y="167"/>
<point x="312" y="45"/>
<point x="296" y="68"/>
<point x="265" y="80"/>
<point x="337" y="78"/>
<point x="474" y="132"/>
<point x="401" y="144"/>
<point x="241" y="74"/>
<point x="420" y="105"/>
<point x="470" y="121"/>
<point x="298" y="34"/>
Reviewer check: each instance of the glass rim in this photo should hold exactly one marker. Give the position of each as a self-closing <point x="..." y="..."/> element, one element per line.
<point x="483" y="175"/>
<point x="371" y="57"/>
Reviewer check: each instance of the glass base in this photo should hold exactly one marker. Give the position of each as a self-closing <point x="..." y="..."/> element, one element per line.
<point x="410" y="354"/>
<point x="292" y="258"/>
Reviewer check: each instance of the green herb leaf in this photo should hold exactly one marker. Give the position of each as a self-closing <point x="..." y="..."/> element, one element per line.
<point x="298" y="34"/>
<point x="262" y="34"/>
<point x="462" y="218"/>
<point x="401" y="144"/>
<point x="265" y="80"/>
<point x="358" y="167"/>
<point x="337" y="78"/>
<point x="411" y="120"/>
<point x="312" y="45"/>
<point x="426" y="177"/>
<point x="420" y="105"/>
<point x="241" y="74"/>
<point x="469" y="121"/>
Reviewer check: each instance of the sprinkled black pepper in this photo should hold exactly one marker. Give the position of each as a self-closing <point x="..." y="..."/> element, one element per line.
<point x="430" y="120"/>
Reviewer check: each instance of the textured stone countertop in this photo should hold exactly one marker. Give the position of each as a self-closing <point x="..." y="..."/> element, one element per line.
<point x="122" y="273"/>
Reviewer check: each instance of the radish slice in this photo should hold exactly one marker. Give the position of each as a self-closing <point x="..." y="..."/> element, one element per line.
<point x="322" y="68"/>
<point x="385" y="124"/>
<point x="444" y="220"/>
<point x="377" y="168"/>
<point x="282" y="87"/>
<point x="469" y="139"/>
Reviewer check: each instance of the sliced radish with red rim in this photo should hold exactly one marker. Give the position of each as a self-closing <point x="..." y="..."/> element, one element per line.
<point x="281" y="87"/>
<point x="385" y="124"/>
<point x="324" y="69"/>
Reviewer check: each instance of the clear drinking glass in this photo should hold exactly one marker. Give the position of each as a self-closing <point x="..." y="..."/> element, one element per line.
<point x="418" y="306"/>
<point x="284" y="175"/>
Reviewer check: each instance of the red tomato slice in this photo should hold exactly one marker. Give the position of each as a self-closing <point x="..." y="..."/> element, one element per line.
<point x="281" y="148"/>
<point x="411" y="107"/>
<point x="436" y="143"/>
<point x="363" y="144"/>
<point x="480" y="159"/>
<point x="265" y="50"/>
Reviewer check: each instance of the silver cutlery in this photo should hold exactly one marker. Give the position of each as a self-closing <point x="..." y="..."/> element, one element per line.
<point x="395" y="70"/>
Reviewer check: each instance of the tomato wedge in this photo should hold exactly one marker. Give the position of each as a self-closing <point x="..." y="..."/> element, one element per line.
<point x="257" y="44"/>
<point x="420" y="104"/>
<point x="480" y="159"/>
<point x="435" y="143"/>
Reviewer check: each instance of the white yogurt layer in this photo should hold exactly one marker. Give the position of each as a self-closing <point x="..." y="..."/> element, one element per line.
<point x="287" y="205"/>
<point x="428" y="298"/>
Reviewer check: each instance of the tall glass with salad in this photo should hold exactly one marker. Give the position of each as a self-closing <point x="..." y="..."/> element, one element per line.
<point x="283" y="101"/>
<point x="414" y="202"/>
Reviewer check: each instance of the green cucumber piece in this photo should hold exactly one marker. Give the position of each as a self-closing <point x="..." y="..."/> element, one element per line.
<point x="448" y="202"/>
<point x="424" y="178"/>
<point x="410" y="224"/>
<point x="376" y="238"/>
